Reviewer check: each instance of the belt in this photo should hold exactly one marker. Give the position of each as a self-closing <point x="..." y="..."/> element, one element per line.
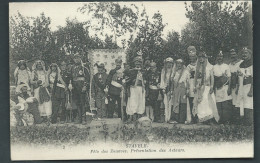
<point x="153" y="87"/>
<point x="116" y="84"/>
<point x="79" y="79"/>
<point x="60" y="85"/>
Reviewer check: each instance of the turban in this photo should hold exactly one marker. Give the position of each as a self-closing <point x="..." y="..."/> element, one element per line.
<point x="169" y="60"/>
<point x="232" y="51"/>
<point x="179" y="60"/>
<point x="138" y="59"/>
<point x="142" y="119"/>
<point x="38" y="62"/>
<point x="246" y="50"/>
<point x="22" y="62"/>
<point x="54" y="65"/>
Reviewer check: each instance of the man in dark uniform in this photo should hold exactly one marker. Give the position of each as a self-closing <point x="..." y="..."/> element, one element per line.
<point x="152" y="93"/>
<point x="114" y="88"/>
<point x="98" y="86"/>
<point x="80" y="83"/>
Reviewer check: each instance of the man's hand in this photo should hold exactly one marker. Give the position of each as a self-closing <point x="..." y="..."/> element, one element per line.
<point x="39" y="82"/>
<point x="236" y="91"/>
<point x="229" y="91"/>
<point x="187" y="92"/>
<point x="250" y="93"/>
<point x="106" y="90"/>
<point x="70" y="87"/>
<point x="211" y="90"/>
<point x="35" y="100"/>
<point x="163" y="91"/>
<point x="195" y="90"/>
<point x="239" y="73"/>
<point x="84" y="89"/>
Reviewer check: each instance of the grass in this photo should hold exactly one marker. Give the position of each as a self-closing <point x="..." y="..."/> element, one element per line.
<point x="74" y="135"/>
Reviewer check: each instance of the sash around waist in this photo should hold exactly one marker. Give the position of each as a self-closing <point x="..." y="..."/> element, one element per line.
<point x="116" y="84"/>
<point x="153" y="87"/>
<point x="60" y="85"/>
<point x="79" y="79"/>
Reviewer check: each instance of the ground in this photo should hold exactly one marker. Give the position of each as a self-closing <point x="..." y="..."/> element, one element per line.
<point x="114" y="130"/>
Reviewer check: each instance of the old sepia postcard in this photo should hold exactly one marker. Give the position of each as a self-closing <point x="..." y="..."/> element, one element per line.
<point x="131" y="80"/>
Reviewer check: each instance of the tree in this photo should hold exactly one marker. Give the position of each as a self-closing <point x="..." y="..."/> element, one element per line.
<point x="109" y="44"/>
<point x="148" y="41"/>
<point x="74" y="38"/>
<point x="217" y="25"/>
<point x="172" y="45"/>
<point x="30" y="38"/>
<point x="121" y="20"/>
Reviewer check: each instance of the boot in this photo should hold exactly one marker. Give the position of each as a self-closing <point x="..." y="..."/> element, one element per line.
<point x="48" y="122"/>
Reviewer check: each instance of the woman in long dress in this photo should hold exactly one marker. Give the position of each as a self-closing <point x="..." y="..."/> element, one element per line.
<point x="234" y="67"/>
<point x="58" y="92"/>
<point x="40" y="83"/>
<point x="245" y="92"/>
<point x="165" y="85"/>
<point x="22" y="74"/>
<point x="204" y="104"/>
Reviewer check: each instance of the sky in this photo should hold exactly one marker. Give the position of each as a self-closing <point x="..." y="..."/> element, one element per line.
<point x="173" y="12"/>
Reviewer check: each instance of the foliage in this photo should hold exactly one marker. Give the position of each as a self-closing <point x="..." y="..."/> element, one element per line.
<point x="217" y="25"/>
<point x="149" y="40"/>
<point x="173" y="47"/>
<point x="112" y="17"/>
<point x="30" y="37"/>
<point x="213" y="26"/>
<point x="74" y="38"/>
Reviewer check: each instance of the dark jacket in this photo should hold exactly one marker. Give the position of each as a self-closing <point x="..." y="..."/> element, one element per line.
<point x="112" y="89"/>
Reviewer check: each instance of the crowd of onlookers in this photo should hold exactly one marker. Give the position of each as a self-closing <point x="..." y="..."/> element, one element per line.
<point x="195" y="93"/>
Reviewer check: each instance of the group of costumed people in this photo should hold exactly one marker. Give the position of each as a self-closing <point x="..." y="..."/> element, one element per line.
<point x="197" y="93"/>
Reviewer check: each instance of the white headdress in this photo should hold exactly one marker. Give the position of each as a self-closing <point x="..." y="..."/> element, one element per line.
<point x="38" y="62"/>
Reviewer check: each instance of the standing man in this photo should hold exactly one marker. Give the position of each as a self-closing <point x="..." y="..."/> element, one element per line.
<point x="166" y="86"/>
<point x="152" y="93"/>
<point x="80" y="83"/>
<point x="222" y="76"/>
<point x="136" y="101"/>
<point x="191" y="69"/>
<point x="180" y="84"/>
<point x="114" y="87"/>
<point x="98" y="86"/>
<point x="234" y="67"/>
